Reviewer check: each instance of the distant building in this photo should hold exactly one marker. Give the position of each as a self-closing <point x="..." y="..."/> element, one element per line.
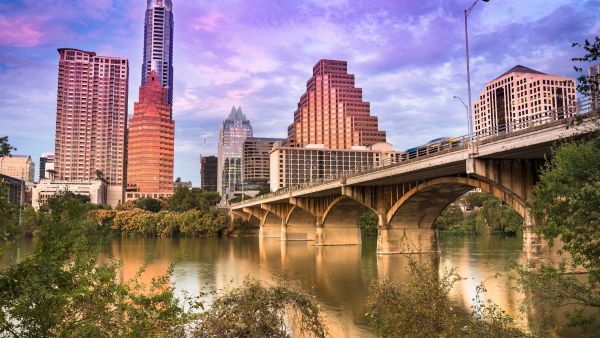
<point x="15" y="188"/>
<point x="332" y="111"/>
<point x="291" y="166"/>
<point x="208" y="173"/>
<point x="96" y="190"/>
<point x="595" y="76"/>
<point x="179" y="184"/>
<point x="151" y="143"/>
<point x="232" y="135"/>
<point x="46" y="164"/>
<point x="520" y="98"/>
<point x="18" y="166"/>
<point x="158" y="43"/>
<point x="256" y="159"/>
<point x="91" y="120"/>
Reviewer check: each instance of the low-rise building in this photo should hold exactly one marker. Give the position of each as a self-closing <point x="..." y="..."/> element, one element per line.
<point x="15" y="189"/>
<point x="20" y="167"/>
<point x="292" y="166"/>
<point x="46" y="165"/>
<point x="96" y="190"/>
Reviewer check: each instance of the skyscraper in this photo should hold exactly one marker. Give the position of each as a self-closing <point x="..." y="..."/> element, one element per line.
<point x="208" y="173"/>
<point x="150" y="143"/>
<point x="91" y="119"/>
<point x="158" y="43"/>
<point x="234" y="131"/>
<point x="332" y="111"/>
<point x="520" y="98"/>
<point x="256" y="159"/>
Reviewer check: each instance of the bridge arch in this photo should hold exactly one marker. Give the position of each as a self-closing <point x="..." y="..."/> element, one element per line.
<point x="340" y="222"/>
<point x="428" y="199"/>
<point x="300" y="225"/>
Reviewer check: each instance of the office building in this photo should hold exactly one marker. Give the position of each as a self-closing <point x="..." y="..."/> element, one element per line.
<point x="96" y="190"/>
<point x="150" y="143"/>
<point x="20" y="167"/>
<point x="91" y="120"/>
<point x="15" y="188"/>
<point x="208" y="173"/>
<point x="293" y="166"/>
<point x="594" y="75"/>
<point x="158" y="44"/>
<point x="46" y="165"/>
<point x="521" y="98"/>
<point x="232" y="135"/>
<point x="256" y="159"/>
<point x="332" y="111"/>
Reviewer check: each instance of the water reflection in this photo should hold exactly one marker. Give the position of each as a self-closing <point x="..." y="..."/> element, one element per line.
<point x="339" y="276"/>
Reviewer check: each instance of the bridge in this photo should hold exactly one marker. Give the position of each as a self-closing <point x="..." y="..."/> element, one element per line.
<point x="408" y="196"/>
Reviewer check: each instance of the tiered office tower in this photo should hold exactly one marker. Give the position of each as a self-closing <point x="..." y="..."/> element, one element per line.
<point x="520" y="98"/>
<point x="232" y="135"/>
<point x="208" y="173"/>
<point x="332" y="111"/>
<point x="91" y="119"/>
<point x="158" y="43"/>
<point x="151" y="143"/>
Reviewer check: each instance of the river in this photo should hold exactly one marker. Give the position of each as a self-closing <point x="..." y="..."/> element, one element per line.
<point x="339" y="276"/>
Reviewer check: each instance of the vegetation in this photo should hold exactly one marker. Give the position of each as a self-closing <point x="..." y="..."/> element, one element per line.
<point x="420" y="307"/>
<point x="5" y="147"/>
<point x="185" y="199"/>
<point x="489" y="216"/>
<point x="254" y="310"/>
<point x="368" y="223"/>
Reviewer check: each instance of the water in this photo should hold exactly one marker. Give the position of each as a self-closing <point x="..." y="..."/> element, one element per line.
<point x="339" y="276"/>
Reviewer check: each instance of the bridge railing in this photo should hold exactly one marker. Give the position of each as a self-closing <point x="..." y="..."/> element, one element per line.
<point x="562" y="115"/>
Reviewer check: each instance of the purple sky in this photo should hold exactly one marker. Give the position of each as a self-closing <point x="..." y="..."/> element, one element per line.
<point x="407" y="55"/>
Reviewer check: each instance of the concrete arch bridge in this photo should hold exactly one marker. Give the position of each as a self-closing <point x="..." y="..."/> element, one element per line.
<point x="408" y="196"/>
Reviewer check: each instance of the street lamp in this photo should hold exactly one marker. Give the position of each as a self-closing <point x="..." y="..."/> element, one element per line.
<point x="467" y="108"/>
<point x="467" y="12"/>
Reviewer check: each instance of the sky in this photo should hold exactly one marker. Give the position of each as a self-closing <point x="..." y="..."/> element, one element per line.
<point x="408" y="57"/>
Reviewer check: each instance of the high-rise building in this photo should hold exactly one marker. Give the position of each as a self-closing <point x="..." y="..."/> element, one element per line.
<point x="158" y="43"/>
<point x="20" y="167"/>
<point x="256" y="159"/>
<point x="46" y="164"/>
<point x="234" y="131"/>
<point x="150" y="143"/>
<point x="91" y="119"/>
<point x="520" y="98"/>
<point x="208" y="173"/>
<point x="332" y="111"/>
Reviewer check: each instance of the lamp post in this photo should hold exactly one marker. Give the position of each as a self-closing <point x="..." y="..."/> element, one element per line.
<point x="467" y="109"/>
<point x="469" y="118"/>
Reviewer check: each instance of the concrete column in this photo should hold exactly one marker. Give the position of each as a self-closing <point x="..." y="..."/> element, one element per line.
<point x="406" y="241"/>
<point x="269" y="232"/>
<point x="283" y="231"/>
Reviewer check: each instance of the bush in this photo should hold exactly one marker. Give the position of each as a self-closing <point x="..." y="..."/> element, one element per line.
<point x="368" y="222"/>
<point x="254" y="310"/>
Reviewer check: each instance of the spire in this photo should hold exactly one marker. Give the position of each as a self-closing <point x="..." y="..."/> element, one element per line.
<point x="237" y="114"/>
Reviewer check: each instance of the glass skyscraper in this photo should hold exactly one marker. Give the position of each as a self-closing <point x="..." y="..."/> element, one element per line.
<point x="158" y="43"/>
<point x="234" y="132"/>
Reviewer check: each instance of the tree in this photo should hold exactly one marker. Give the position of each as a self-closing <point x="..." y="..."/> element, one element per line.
<point x="368" y="222"/>
<point x="148" y="204"/>
<point x="5" y="147"/>
<point x="451" y="216"/>
<point x="566" y="206"/>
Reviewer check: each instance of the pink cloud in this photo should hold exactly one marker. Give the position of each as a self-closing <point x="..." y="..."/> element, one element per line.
<point x="20" y="32"/>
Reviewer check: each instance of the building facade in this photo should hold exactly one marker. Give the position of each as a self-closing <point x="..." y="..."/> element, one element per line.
<point x="91" y="119"/>
<point x="232" y="135"/>
<point x="15" y="188"/>
<point x="151" y="143"/>
<point x="20" y="167"/>
<point x="46" y="164"/>
<point x="332" y="111"/>
<point x="520" y="98"/>
<point x="96" y="190"/>
<point x="255" y="160"/>
<point x="158" y="43"/>
<point x="292" y="166"/>
<point x="594" y="75"/>
<point x="208" y="173"/>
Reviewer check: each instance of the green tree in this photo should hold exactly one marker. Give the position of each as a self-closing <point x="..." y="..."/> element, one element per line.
<point x="148" y="204"/>
<point x="368" y="222"/>
<point x="5" y="147"/>
<point x="451" y="216"/>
